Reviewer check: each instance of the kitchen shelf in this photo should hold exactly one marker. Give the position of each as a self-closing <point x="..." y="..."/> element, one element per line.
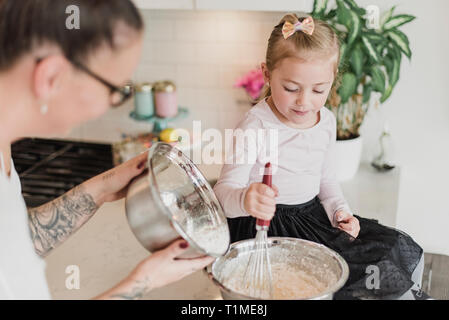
<point x="259" y="5"/>
<point x="165" y="4"/>
<point x="238" y="5"/>
<point x="161" y="123"/>
<point x="241" y="5"/>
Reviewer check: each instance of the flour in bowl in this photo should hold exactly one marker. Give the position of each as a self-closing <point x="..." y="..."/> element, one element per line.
<point x="212" y="238"/>
<point x="290" y="281"/>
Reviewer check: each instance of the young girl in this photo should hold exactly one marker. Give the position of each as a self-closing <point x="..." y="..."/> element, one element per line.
<point x="301" y="66"/>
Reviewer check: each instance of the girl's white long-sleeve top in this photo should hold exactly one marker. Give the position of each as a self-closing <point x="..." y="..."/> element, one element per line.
<point x="303" y="162"/>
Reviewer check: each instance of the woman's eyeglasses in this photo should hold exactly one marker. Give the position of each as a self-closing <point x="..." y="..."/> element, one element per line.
<point x="118" y="95"/>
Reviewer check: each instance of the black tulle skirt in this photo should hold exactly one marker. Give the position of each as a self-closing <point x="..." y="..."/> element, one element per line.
<point x="395" y="253"/>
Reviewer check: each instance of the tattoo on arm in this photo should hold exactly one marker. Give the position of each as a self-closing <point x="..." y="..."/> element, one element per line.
<point x="138" y="290"/>
<point x="108" y="175"/>
<point x="53" y="222"/>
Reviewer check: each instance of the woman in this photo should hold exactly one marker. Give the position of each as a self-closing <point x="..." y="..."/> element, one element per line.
<point x="52" y="79"/>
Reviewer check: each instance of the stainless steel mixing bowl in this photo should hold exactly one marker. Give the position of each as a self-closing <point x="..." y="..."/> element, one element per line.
<point x="316" y="260"/>
<point x="172" y="199"/>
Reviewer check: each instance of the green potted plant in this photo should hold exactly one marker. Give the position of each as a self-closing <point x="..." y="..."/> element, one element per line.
<point x="368" y="72"/>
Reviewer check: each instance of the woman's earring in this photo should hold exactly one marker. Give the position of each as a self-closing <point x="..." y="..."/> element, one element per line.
<point x="44" y="109"/>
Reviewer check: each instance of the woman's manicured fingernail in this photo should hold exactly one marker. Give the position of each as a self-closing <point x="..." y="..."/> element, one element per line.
<point x="141" y="164"/>
<point x="184" y="245"/>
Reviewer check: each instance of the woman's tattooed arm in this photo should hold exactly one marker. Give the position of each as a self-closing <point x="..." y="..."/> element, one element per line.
<point x="138" y="290"/>
<point x="129" y="288"/>
<point x="53" y="222"/>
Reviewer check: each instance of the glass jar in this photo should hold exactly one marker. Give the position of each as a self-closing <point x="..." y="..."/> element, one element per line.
<point x="165" y="99"/>
<point x="144" y="100"/>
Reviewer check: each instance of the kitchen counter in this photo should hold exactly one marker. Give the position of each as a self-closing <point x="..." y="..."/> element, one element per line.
<point x="106" y="251"/>
<point x="372" y="194"/>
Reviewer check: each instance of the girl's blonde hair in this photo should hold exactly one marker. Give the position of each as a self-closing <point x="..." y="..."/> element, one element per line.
<point x="323" y="43"/>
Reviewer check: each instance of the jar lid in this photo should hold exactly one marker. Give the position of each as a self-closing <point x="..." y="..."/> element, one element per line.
<point x="165" y="86"/>
<point x="144" y="87"/>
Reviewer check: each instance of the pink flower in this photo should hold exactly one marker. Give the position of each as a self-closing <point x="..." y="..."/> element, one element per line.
<point x="252" y="82"/>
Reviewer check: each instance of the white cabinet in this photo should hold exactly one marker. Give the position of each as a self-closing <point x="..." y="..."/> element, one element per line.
<point x="246" y="5"/>
<point x="165" y="4"/>
<point x="256" y="5"/>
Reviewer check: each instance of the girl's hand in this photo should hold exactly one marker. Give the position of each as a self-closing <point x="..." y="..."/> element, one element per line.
<point x="347" y="223"/>
<point x="113" y="184"/>
<point x="260" y="201"/>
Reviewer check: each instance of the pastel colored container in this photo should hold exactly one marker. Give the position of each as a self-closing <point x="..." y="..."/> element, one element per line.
<point x="144" y="100"/>
<point x="166" y="102"/>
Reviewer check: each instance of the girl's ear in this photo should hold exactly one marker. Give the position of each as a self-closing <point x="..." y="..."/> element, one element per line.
<point x="266" y="73"/>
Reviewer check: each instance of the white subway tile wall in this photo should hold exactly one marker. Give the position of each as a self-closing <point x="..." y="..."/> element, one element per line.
<point x="203" y="53"/>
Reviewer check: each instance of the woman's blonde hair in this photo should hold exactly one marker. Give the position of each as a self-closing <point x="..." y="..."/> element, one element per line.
<point x="323" y="43"/>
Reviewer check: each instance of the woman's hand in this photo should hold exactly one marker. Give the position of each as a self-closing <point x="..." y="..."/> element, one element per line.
<point x="158" y="270"/>
<point x="113" y="184"/>
<point x="347" y="223"/>
<point x="163" y="267"/>
<point x="260" y="201"/>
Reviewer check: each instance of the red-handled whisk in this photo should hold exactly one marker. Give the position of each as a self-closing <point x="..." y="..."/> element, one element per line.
<point x="258" y="280"/>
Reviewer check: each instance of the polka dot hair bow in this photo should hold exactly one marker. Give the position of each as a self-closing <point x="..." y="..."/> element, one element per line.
<point x="307" y="26"/>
